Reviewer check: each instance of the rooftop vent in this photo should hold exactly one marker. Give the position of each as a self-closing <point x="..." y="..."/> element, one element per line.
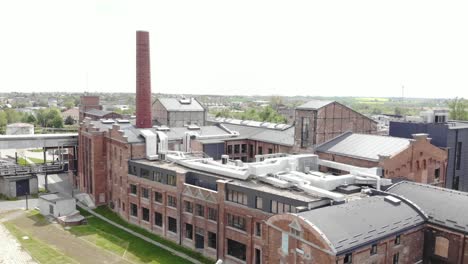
<point x="107" y="121"/>
<point x="123" y="121"/>
<point x="392" y="200"/>
<point x="185" y="101"/>
<point x="162" y="128"/>
<point x="193" y="127"/>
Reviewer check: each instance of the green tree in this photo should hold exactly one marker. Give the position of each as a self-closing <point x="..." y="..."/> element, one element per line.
<point x="69" y="120"/>
<point x="69" y="104"/>
<point x="57" y="122"/>
<point x="457" y="108"/>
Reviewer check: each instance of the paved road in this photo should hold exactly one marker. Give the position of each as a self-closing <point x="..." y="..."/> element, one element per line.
<point x="15" y="205"/>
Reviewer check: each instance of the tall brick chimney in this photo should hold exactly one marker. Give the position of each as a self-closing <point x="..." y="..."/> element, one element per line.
<point x="143" y="81"/>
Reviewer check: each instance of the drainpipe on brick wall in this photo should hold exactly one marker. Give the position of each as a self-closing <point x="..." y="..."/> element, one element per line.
<point x="217" y="232"/>
<point x="180" y="217"/>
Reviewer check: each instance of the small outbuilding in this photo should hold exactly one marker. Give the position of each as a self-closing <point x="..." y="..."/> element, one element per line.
<point x="56" y="205"/>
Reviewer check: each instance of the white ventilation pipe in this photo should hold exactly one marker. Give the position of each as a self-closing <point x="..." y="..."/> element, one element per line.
<point x="150" y="142"/>
<point x="368" y="175"/>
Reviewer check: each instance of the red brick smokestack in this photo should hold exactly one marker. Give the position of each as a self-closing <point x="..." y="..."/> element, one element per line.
<point x="143" y="81"/>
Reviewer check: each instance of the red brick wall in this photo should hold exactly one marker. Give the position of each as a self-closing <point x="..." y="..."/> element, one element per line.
<point x="143" y="81"/>
<point x="329" y="122"/>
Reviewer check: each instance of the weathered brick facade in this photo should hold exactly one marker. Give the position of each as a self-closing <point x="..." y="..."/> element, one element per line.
<point x="315" y="126"/>
<point x="420" y="162"/>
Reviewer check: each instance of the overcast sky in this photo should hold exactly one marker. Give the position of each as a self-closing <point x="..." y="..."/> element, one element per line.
<point x="317" y="48"/>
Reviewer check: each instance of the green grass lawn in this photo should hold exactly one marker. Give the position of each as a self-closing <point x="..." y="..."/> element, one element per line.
<point x="122" y="243"/>
<point x="109" y="214"/>
<point x="39" y="251"/>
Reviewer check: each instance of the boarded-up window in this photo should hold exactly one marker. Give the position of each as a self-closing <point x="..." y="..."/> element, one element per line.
<point x="441" y="246"/>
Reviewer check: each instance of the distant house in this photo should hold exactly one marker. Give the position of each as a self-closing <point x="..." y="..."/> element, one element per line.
<point x="318" y="121"/>
<point x="72" y="112"/>
<point x="399" y="158"/>
<point x="180" y="112"/>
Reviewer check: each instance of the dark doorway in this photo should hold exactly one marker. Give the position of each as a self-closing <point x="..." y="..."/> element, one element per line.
<point x="199" y="241"/>
<point x="22" y="187"/>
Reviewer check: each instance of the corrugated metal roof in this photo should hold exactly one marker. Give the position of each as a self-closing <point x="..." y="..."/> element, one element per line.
<point x="363" y="221"/>
<point x="314" y="104"/>
<point x="174" y="104"/>
<point x="443" y="206"/>
<point x="364" y="146"/>
<point x="280" y="137"/>
<point x="97" y="112"/>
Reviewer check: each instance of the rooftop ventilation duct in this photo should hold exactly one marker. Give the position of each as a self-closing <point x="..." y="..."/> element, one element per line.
<point x="150" y="142"/>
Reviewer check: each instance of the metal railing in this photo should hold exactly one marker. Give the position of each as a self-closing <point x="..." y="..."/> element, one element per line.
<point x="15" y="170"/>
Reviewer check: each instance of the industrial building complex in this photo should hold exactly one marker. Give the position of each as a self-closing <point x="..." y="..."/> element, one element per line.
<point x="255" y="192"/>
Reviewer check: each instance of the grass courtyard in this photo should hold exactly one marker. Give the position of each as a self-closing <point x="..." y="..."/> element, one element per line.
<point x="96" y="242"/>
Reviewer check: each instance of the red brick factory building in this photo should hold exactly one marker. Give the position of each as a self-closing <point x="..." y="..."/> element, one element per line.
<point x="279" y="210"/>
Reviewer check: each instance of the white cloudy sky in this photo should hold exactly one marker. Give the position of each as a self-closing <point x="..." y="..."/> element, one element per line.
<point x="329" y="47"/>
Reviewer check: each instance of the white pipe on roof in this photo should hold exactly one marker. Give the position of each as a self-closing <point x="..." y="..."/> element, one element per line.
<point x="150" y="142"/>
<point x="338" y="197"/>
<point x="368" y="175"/>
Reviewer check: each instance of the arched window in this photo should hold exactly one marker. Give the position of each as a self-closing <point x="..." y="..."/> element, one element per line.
<point x="424" y="164"/>
<point x="441" y="246"/>
<point x="417" y="165"/>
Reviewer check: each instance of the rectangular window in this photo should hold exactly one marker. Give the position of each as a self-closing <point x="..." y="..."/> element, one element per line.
<point x="158" y="177"/>
<point x="251" y="150"/>
<point x="259" y="202"/>
<point x="437" y="174"/>
<point x="236" y="249"/>
<point x="144" y="173"/>
<point x="144" y="193"/>
<point x="396" y="257"/>
<point x="397" y="240"/>
<point x="212" y="214"/>
<point x="237" y="197"/>
<point x="236" y="149"/>
<point x="373" y="250"/>
<point x="199" y="210"/>
<point x="270" y="151"/>
<point x="258" y="256"/>
<point x="229" y="150"/>
<point x="260" y="151"/>
<point x="133" y="210"/>
<point x="145" y="214"/>
<point x="172" y="224"/>
<point x="348" y="259"/>
<point x="158" y="197"/>
<point x="158" y="219"/>
<point x="236" y="221"/>
<point x="258" y="229"/>
<point x="244" y="148"/>
<point x="188" y="231"/>
<point x="274" y="206"/>
<point x="458" y="155"/>
<point x="171" y="201"/>
<point x="305" y="123"/>
<point x="212" y="240"/>
<point x="171" y="180"/>
<point x="188" y="207"/>
<point x="133" y="189"/>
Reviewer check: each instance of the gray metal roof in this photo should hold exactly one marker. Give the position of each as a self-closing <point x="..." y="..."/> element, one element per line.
<point x="361" y="222"/>
<point x="177" y="133"/>
<point x="314" y="104"/>
<point x="443" y="206"/>
<point x="280" y="137"/>
<point x="174" y="104"/>
<point x="132" y="133"/>
<point x="364" y="146"/>
<point x="97" y="112"/>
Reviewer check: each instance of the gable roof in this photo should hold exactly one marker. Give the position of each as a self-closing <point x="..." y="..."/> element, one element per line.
<point x="174" y="104"/>
<point x="314" y="104"/>
<point x="364" y="146"/>
<point x="361" y="222"/>
<point x="444" y="207"/>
